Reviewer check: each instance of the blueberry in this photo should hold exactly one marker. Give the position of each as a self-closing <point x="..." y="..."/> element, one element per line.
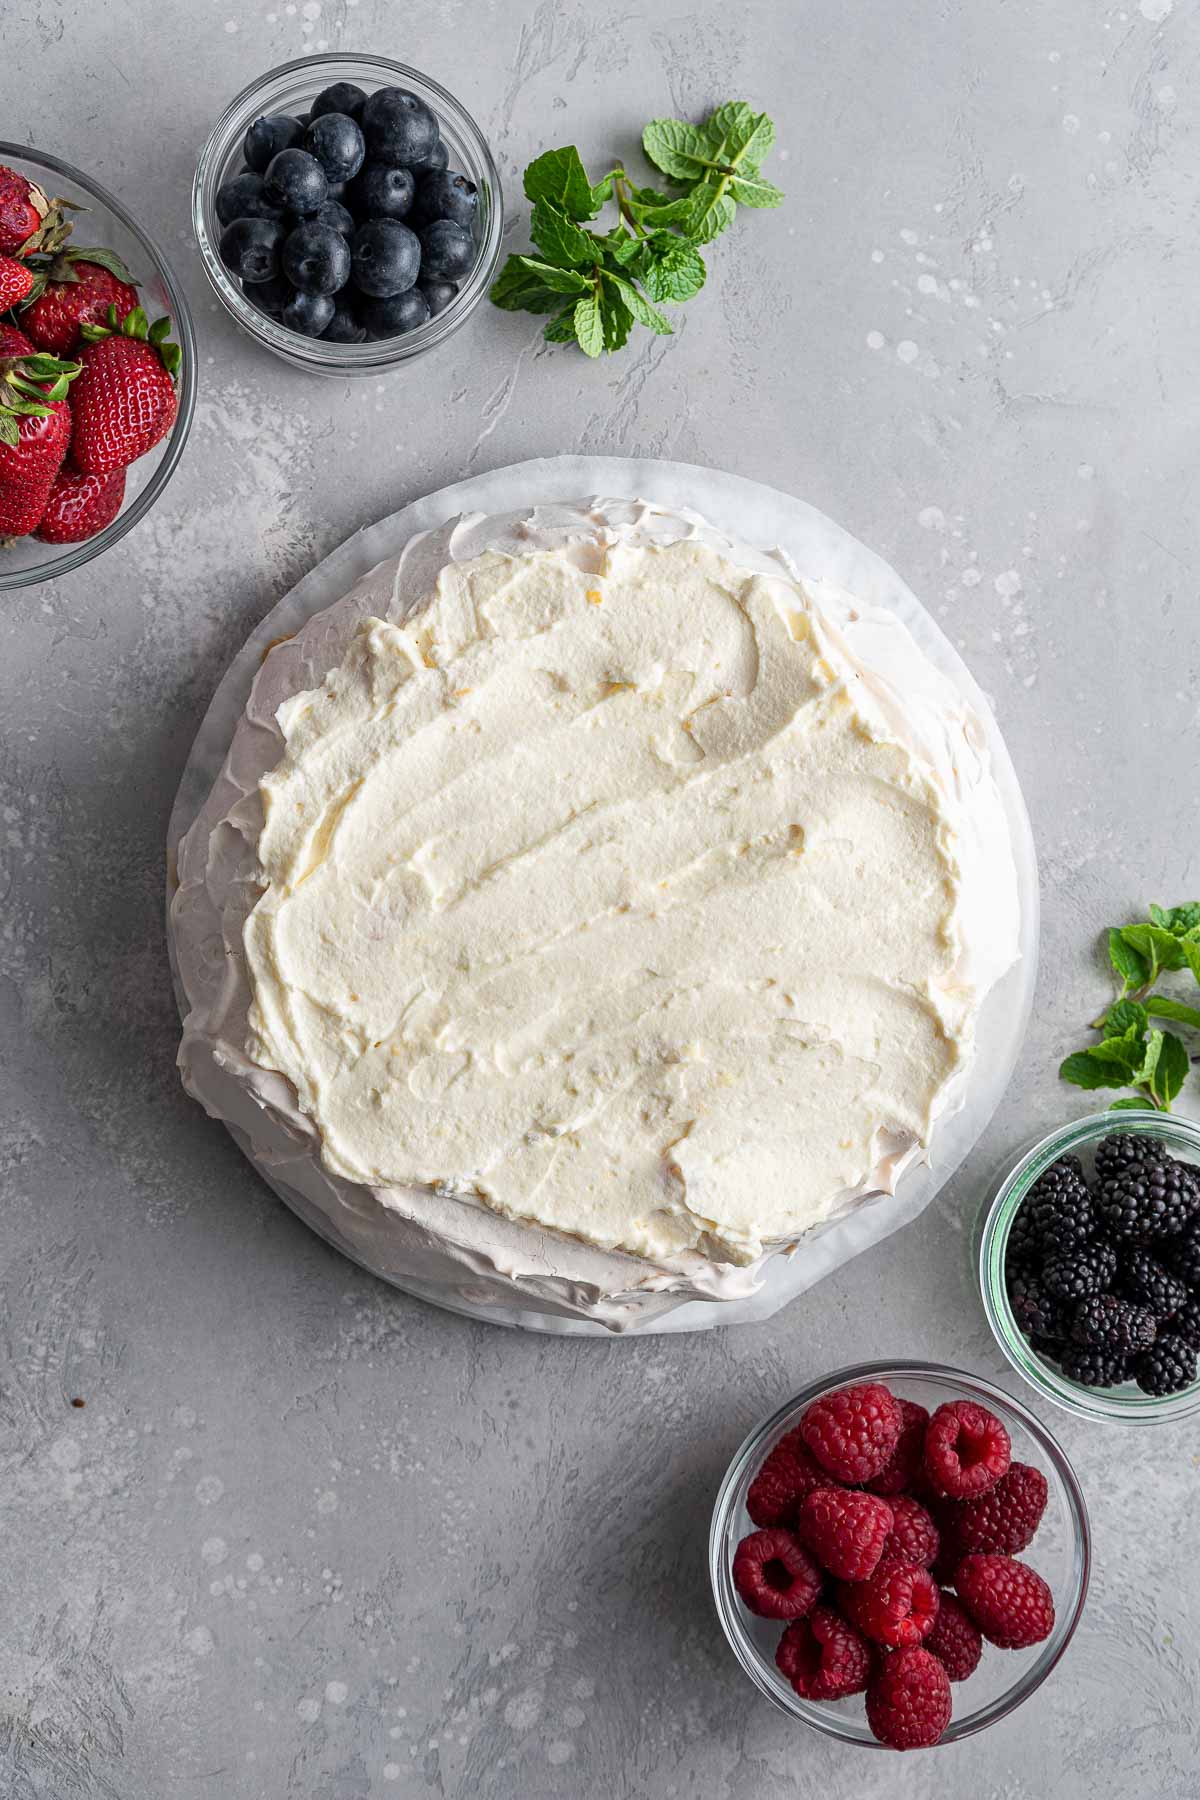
<point x="438" y="295"/>
<point x="444" y="195"/>
<point x="342" y="97"/>
<point x="399" y="313"/>
<point x="250" y="247"/>
<point x="382" y="192"/>
<point x="244" y="198"/>
<point x="296" y="181"/>
<point x="399" y="127"/>
<point x="309" y="314"/>
<point x="270" y="296"/>
<point x="345" y="327"/>
<point x="446" y="249"/>
<point x="335" y="214"/>
<point x="386" y="257"/>
<point x="267" y="137"/>
<point x="337" y="144"/>
<point x="316" y="258"/>
<point x="438" y="157"/>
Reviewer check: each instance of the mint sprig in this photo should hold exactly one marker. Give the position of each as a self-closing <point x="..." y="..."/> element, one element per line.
<point x="1132" y="1052"/>
<point x="599" y="284"/>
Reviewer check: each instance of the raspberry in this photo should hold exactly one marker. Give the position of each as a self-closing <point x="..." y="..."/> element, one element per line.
<point x="1038" y="1314"/>
<point x="1094" y="1368"/>
<point x="1009" y="1601"/>
<point x="1147" y="1282"/>
<point x="823" y="1656"/>
<point x="1127" y="1150"/>
<point x="1118" y="1326"/>
<point x="1086" y="1271"/>
<point x="775" y="1575"/>
<point x="1167" y="1368"/>
<point x="1005" y="1519"/>
<point x="914" y="1536"/>
<point x="967" y="1449"/>
<point x="845" y="1531"/>
<point x="1061" y="1211"/>
<point x="901" y="1468"/>
<point x="945" y="1564"/>
<point x="853" y="1432"/>
<point x="908" y="1702"/>
<point x="895" y="1606"/>
<point x="1152" y="1200"/>
<point x="955" y="1639"/>
<point x="1184" y="1255"/>
<point x="788" y="1473"/>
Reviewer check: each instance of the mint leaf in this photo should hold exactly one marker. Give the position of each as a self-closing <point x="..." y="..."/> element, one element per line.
<point x="560" y="177"/>
<point x="681" y="151"/>
<point x="589" y="324"/>
<point x="639" y="306"/>
<point x="668" y="212"/>
<point x="1128" y="1052"/>
<point x="602" y="191"/>
<point x="1124" y="1016"/>
<point x="1162" y="1008"/>
<point x="1129" y="963"/>
<point x="1159" y="948"/>
<point x="1177" y="919"/>
<point x="1143" y="1073"/>
<point x="710" y="211"/>
<point x="755" y="190"/>
<point x="742" y="136"/>
<point x="560" y="238"/>
<point x="669" y="267"/>
<point x="1191" y="955"/>
<point x="1086" y="1072"/>
<point x="559" y="281"/>
<point x="562" y="329"/>
<point x="1171" y="1069"/>
<point x="616" y="318"/>
<point x="1129" y="1106"/>
<point x="518" y="289"/>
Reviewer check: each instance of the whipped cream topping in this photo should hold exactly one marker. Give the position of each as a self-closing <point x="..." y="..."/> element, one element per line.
<point x="580" y="916"/>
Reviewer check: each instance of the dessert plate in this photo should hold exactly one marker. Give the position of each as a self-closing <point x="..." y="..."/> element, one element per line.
<point x="757" y="515"/>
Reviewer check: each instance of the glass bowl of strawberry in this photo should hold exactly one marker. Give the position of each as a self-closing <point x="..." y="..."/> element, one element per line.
<point x="97" y="369"/>
<point x="900" y="1555"/>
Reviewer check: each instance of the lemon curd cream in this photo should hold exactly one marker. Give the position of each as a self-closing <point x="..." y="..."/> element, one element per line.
<point x="589" y="907"/>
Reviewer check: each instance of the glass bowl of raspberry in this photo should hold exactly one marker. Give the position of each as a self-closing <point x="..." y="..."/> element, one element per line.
<point x="1089" y="1266"/>
<point x="900" y="1555"/>
<point x="88" y="524"/>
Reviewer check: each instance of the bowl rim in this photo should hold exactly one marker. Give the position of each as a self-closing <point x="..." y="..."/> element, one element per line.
<point x="315" y="354"/>
<point x="1109" y="1405"/>
<point x="76" y="555"/>
<point x="768" y="1682"/>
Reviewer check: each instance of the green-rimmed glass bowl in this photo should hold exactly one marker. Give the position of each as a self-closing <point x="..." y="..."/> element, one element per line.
<point x="1125" y="1405"/>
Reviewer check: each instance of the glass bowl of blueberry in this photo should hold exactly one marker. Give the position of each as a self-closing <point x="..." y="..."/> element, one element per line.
<point x="1089" y="1263"/>
<point x="348" y="212"/>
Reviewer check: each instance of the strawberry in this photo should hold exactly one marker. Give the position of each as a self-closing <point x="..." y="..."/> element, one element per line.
<point x="80" y="505"/>
<point x="124" y="400"/>
<point x="29" y="220"/>
<point x="76" y="289"/>
<point x="13" y="342"/>
<point x="35" y="430"/>
<point x="16" y="282"/>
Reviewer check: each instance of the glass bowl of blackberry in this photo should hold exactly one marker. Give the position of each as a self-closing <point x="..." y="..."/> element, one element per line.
<point x="348" y="213"/>
<point x="858" y="1533"/>
<point x="1089" y="1264"/>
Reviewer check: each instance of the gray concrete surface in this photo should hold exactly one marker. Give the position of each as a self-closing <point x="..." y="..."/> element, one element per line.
<point x="308" y="1538"/>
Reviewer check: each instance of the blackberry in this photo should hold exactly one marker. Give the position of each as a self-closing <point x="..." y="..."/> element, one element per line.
<point x="1038" y="1314"/>
<point x="1118" y="1326"/>
<point x="1088" y="1271"/>
<point x="1022" y="1250"/>
<point x="1184" y="1255"/>
<point x="1094" y="1367"/>
<point x="1153" y="1200"/>
<point x="1147" y="1282"/>
<point x="1127" y="1150"/>
<point x="1061" y="1211"/>
<point x="1186" y="1323"/>
<point x="1167" y="1367"/>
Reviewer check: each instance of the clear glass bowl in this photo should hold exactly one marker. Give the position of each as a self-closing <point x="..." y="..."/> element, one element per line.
<point x="292" y="89"/>
<point x="1061" y="1552"/>
<point x="104" y="221"/>
<point x="1125" y="1405"/>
